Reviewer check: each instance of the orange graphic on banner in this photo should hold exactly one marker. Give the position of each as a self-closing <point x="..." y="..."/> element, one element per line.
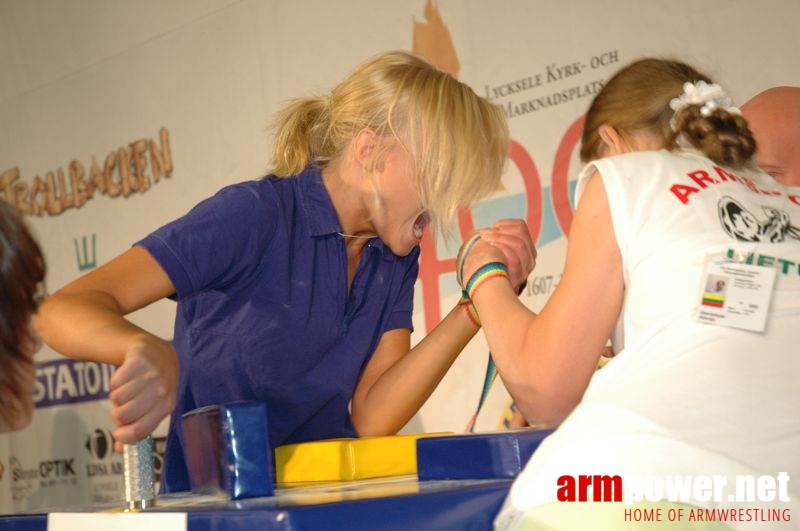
<point x="432" y="40"/>
<point x="125" y="171"/>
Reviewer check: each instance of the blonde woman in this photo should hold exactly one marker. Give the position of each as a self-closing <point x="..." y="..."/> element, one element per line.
<point x="297" y="289"/>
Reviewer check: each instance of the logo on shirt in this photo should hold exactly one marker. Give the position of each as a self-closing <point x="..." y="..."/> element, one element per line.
<point x="743" y="225"/>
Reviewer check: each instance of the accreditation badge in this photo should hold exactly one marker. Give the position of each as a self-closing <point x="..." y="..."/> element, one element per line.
<point x="735" y="294"/>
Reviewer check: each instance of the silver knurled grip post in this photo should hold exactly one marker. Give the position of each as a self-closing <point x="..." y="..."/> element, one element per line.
<point x="139" y="476"/>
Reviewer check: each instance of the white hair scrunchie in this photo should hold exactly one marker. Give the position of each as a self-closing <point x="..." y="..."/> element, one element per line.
<point x="709" y="96"/>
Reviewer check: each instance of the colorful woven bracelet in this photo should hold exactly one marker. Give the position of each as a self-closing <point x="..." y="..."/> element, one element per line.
<point x="472" y="312"/>
<point x="483" y="274"/>
<point x="460" y="266"/>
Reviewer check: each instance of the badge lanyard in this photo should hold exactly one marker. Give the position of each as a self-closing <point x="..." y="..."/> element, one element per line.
<point x="488" y="379"/>
<point x="491" y="374"/>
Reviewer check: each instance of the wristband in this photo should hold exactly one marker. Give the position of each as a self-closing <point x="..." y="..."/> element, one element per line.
<point x="472" y="312"/>
<point x="483" y="274"/>
<point x="460" y="266"/>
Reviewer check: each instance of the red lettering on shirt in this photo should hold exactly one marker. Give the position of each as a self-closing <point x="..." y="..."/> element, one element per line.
<point x="702" y="178"/>
<point x="724" y="175"/>
<point x="682" y="192"/>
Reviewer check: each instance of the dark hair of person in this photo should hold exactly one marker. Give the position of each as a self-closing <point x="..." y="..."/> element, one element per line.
<point x="22" y="271"/>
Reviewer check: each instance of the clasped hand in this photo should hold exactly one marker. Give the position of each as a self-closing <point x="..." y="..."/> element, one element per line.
<point x="507" y="241"/>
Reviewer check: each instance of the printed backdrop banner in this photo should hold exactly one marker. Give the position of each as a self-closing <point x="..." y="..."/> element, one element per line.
<point x="116" y="118"/>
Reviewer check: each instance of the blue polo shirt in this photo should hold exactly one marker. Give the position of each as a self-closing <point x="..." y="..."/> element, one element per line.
<point x="263" y="311"/>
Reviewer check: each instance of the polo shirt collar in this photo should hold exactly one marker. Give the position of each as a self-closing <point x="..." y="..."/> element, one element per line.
<point x="320" y="215"/>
